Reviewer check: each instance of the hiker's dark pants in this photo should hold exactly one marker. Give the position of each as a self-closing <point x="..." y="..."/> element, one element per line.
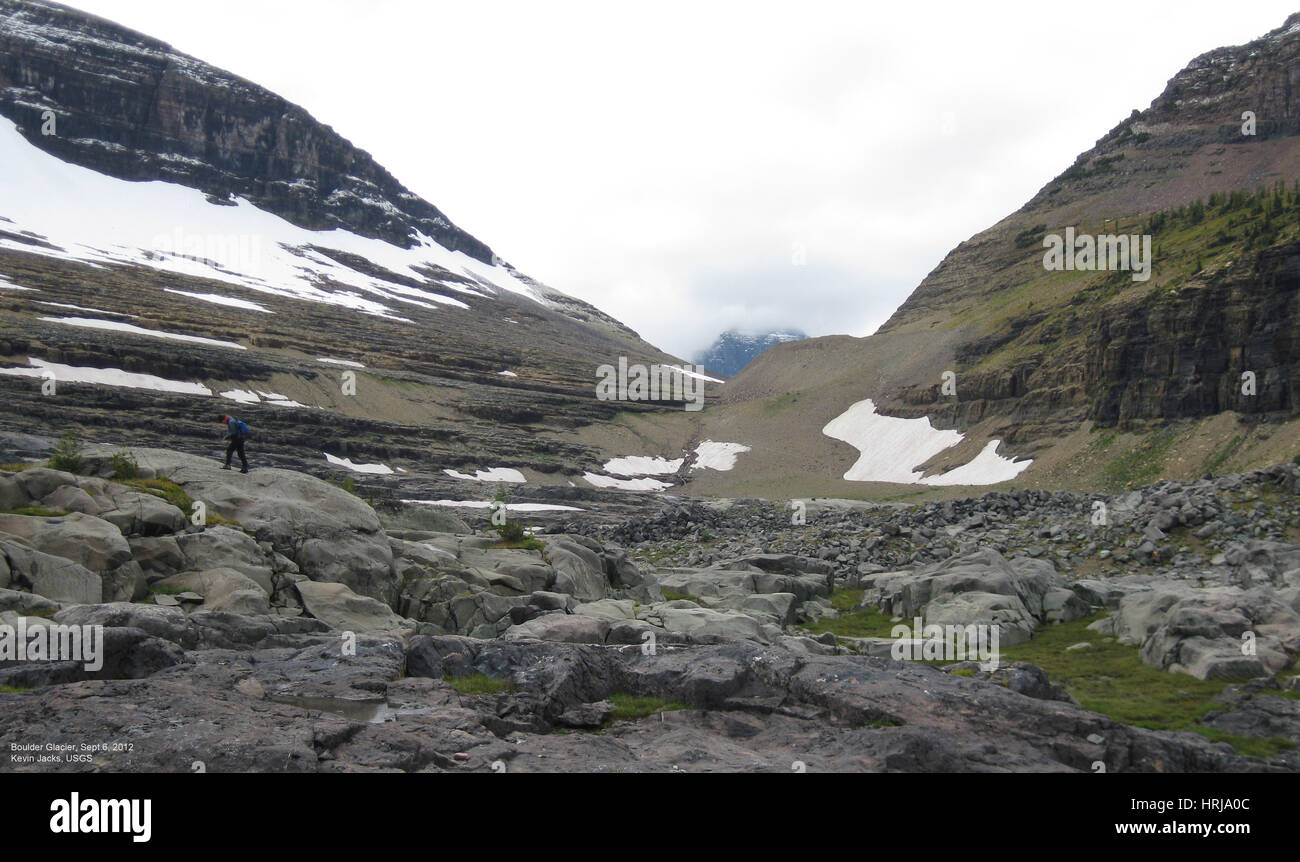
<point x="236" y="445"/>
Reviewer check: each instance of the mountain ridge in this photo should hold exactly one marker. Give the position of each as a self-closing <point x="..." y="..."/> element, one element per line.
<point x="1035" y="356"/>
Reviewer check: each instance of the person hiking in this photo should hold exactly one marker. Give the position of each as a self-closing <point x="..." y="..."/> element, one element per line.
<point x="236" y="432"/>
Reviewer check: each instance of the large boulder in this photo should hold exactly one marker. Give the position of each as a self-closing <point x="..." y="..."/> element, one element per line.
<point x="977" y="588"/>
<point x="27" y="603"/>
<point x="133" y="512"/>
<point x="38" y="482"/>
<point x="579" y="571"/>
<point x="84" y="539"/>
<point x="331" y="535"/>
<point x="340" y="608"/>
<point x="700" y="622"/>
<point x="1257" y="562"/>
<point x="1216" y="633"/>
<point x="212" y="548"/>
<point x="123" y="653"/>
<point x="564" y="628"/>
<point x="222" y="590"/>
<point x="56" y="578"/>
<point x="215" y="630"/>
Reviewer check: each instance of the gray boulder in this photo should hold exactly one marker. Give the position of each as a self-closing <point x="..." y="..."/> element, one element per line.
<point x="564" y="628"/>
<point x="84" y="539"/>
<point x="56" y="578"/>
<point x="579" y="571"/>
<point x="340" y="608"/>
<point x="330" y="534"/>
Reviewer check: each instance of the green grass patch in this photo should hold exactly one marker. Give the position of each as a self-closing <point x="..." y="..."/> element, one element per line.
<point x="1110" y="678"/>
<point x="778" y="404"/>
<point x="13" y="689"/>
<point x="37" y="512"/>
<point x="1217" y="459"/>
<point x="845" y="600"/>
<point x="478" y="683"/>
<point x="630" y="707"/>
<point x="166" y="489"/>
<point x="18" y="468"/>
<point x="1142" y="464"/>
<point x="678" y="596"/>
<point x="865" y="623"/>
<point x="158" y="590"/>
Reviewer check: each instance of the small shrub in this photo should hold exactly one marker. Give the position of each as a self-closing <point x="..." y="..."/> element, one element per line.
<point x="124" y="465"/>
<point x="65" y="456"/>
<point x="510" y="531"/>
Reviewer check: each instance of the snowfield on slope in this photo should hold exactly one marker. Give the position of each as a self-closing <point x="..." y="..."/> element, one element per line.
<point x="645" y="484"/>
<point x="97" y="219"/>
<point x="891" y="447"/>
<point x="103" y="377"/>
<point x="642" y="465"/>
<point x="717" y="456"/>
<point x="132" y="329"/>
<point x="219" y="299"/>
<point x="375" y="469"/>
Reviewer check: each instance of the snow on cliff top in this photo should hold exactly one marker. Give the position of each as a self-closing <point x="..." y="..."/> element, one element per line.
<point x="97" y="219"/>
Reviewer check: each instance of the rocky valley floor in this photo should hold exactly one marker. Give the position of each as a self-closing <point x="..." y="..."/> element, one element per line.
<point x="286" y="625"/>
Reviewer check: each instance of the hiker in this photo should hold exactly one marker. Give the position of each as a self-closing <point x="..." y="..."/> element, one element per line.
<point x="236" y="432"/>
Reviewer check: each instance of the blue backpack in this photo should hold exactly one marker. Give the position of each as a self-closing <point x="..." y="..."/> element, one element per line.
<point x="242" y="427"/>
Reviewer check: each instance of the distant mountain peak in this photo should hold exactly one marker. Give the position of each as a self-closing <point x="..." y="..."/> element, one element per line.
<point x="734" y="349"/>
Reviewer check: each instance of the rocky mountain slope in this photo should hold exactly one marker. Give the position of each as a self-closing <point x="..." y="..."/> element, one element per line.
<point x="1098" y="378"/>
<point x="733" y="350"/>
<point x="176" y="243"/>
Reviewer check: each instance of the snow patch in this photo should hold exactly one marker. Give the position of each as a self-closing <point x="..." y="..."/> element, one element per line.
<point x="494" y="474"/>
<point x="275" y="399"/>
<point x="104" y="377"/>
<point x="218" y="299"/>
<point x="717" y="456"/>
<point x="986" y="468"/>
<point x="348" y="362"/>
<point x="642" y="465"/>
<point x="243" y="396"/>
<point x="377" y="469"/>
<point x="83" y="308"/>
<point x="132" y="329"/>
<point x="890" y="447"/>
<point x="6" y="284"/>
<point x="696" y="375"/>
<point x="645" y="484"/>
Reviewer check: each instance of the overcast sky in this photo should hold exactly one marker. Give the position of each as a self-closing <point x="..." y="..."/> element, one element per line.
<point x="698" y="166"/>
